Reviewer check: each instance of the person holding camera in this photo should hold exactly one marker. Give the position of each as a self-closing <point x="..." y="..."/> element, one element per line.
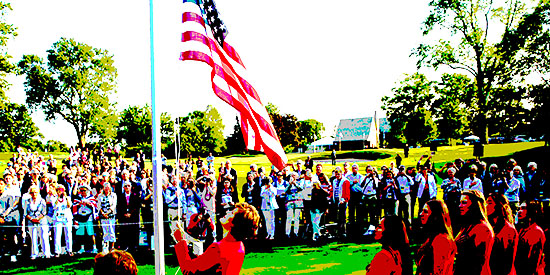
<point x="369" y="187"/>
<point x="199" y="232"/>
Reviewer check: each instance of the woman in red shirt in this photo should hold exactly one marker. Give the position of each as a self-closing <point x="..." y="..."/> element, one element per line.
<point x="530" y="257"/>
<point x="506" y="236"/>
<point x="394" y="258"/>
<point x="475" y="240"/>
<point x="227" y="255"/>
<point x="437" y="254"/>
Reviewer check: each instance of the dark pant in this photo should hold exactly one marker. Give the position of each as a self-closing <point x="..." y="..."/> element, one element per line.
<point x="342" y="209"/>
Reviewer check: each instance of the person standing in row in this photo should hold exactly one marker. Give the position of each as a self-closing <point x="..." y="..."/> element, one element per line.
<point x="475" y="241"/>
<point x="503" y="253"/>
<point x="437" y="254"/>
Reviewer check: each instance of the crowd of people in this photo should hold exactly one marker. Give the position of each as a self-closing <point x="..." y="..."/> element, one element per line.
<point x="96" y="196"/>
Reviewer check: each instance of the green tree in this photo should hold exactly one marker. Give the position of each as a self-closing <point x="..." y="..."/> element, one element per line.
<point x="135" y="126"/>
<point x="7" y="32"/>
<point x="452" y="112"/>
<point x="420" y="127"/>
<point x="17" y="127"/>
<point x="413" y="97"/>
<point x="467" y="25"/>
<point x="286" y="127"/>
<point x="235" y="142"/>
<point x="202" y="132"/>
<point x="75" y="84"/>
<point x="309" y="130"/>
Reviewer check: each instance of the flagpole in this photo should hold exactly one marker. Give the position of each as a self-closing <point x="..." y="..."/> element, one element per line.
<point x="155" y="117"/>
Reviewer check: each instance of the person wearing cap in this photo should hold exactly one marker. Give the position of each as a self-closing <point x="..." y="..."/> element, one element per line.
<point x="404" y="183"/>
<point x="84" y="207"/>
<point x="62" y="221"/>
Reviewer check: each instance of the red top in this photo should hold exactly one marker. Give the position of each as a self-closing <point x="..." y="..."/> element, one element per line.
<point x="504" y="248"/>
<point x="385" y="262"/>
<point x="437" y="256"/>
<point x="474" y="246"/>
<point x="530" y="257"/>
<point x="228" y="254"/>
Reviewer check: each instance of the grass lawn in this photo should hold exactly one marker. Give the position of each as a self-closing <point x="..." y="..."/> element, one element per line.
<point x="331" y="258"/>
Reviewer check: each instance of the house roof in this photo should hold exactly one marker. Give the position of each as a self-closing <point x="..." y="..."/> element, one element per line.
<point x="358" y="128"/>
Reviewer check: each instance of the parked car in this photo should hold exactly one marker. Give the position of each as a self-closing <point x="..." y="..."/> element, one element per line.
<point x="496" y="140"/>
<point x="521" y="138"/>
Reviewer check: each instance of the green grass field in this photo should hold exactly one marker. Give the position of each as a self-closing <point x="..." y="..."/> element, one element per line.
<point x="331" y="258"/>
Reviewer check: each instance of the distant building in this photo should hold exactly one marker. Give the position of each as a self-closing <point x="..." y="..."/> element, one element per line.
<point x="360" y="133"/>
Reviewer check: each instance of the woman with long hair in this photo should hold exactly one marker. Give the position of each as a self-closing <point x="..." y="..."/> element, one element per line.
<point x="394" y="258"/>
<point x="530" y="256"/>
<point x="437" y="254"/>
<point x="505" y="243"/>
<point x="475" y="239"/>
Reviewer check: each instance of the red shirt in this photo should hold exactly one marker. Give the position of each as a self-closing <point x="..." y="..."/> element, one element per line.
<point x="228" y="254"/>
<point x="385" y="262"/>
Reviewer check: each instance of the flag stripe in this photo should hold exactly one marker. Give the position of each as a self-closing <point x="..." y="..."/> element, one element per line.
<point x="229" y="75"/>
<point x="229" y="84"/>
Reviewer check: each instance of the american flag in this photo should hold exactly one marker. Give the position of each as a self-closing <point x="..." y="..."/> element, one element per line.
<point x="202" y="39"/>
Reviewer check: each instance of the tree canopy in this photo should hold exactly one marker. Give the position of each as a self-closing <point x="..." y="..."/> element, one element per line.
<point x="75" y="84"/>
<point x="466" y="43"/>
<point x="202" y="132"/>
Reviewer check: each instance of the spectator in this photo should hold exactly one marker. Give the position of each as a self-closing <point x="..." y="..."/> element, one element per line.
<point x="84" y="209"/>
<point x="472" y="182"/>
<point x="427" y="188"/>
<point x="355" y="205"/>
<point x="341" y="195"/>
<point x="294" y="205"/>
<point x="8" y="222"/>
<point x="35" y="214"/>
<point x="533" y="180"/>
<point x="269" y="205"/>
<point x="452" y="189"/>
<point x="127" y="212"/>
<point x="369" y="187"/>
<point x="107" y="205"/>
<point x="319" y="206"/>
<point x="200" y="229"/>
<point x="62" y="221"/>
